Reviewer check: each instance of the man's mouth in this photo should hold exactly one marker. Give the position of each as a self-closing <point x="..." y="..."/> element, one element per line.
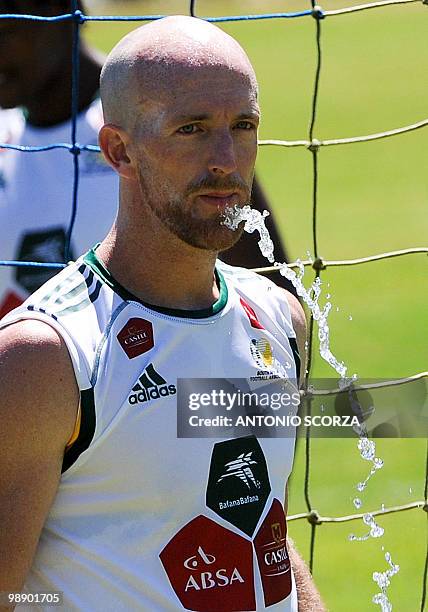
<point x="220" y="200"/>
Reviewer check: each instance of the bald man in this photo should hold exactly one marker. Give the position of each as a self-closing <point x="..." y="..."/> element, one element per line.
<point x="100" y="500"/>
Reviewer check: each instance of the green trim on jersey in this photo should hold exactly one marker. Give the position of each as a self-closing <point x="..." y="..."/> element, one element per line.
<point x="92" y="260"/>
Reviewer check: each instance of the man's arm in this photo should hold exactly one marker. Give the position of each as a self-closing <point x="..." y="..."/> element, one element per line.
<point x="308" y="597"/>
<point x="38" y="406"/>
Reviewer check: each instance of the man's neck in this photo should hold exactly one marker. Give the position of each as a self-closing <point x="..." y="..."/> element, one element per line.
<point x="161" y="270"/>
<point x="54" y="106"/>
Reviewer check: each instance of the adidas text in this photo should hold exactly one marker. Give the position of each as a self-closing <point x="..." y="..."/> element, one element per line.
<point x="145" y="395"/>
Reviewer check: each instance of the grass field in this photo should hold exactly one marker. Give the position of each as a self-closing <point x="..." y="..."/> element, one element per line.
<point x="372" y="198"/>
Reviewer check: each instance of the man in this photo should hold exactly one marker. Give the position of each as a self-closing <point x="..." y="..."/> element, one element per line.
<point x="139" y="519"/>
<point x="36" y="188"/>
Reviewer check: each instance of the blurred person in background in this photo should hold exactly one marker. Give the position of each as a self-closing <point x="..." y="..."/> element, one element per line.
<point x="36" y="188"/>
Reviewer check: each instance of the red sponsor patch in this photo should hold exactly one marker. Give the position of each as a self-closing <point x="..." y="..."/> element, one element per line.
<point x="210" y="568"/>
<point x="251" y="315"/>
<point x="10" y="301"/>
<point x="136" y="337"/>
<point x="272" y="555"/>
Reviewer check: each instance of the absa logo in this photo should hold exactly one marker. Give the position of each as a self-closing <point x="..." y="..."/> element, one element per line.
<point x="210" y="567"/>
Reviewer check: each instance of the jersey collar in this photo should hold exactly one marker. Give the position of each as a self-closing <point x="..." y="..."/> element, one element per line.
<point x="93" y="261"/>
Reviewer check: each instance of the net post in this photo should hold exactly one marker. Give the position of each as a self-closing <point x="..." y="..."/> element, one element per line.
<point x="425" y="508"/>
<point x="75" y="149"/>
<point x="313" y="148"/>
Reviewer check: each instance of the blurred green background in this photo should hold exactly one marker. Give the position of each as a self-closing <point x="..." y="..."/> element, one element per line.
<point x="372" y="198"/>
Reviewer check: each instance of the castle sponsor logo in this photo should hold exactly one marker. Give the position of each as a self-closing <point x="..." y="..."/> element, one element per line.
<point x="238" y="483"/>
<point x="204" y="573"/>
<point x="136" y="337"/>
<point x="272" y="555"/>
<point x="150" y="386"/>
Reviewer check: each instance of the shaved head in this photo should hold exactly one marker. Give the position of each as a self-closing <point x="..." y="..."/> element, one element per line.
<point x="180" y="103"/>
<point x="148" y="64"/>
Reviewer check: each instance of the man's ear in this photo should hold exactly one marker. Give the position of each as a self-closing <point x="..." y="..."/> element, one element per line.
<point x="114" y="143"/>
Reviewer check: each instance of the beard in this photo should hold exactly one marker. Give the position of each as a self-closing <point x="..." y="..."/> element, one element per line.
<point x="208" y="234"/>
<point x="181" y="217"/>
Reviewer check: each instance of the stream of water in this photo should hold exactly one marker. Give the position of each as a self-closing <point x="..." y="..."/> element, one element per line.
<point x="255" y="221"/>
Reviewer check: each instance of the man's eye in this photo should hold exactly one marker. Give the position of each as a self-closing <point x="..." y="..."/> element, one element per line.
<point x="188" y="129"/>
<point x="245" y="125"/>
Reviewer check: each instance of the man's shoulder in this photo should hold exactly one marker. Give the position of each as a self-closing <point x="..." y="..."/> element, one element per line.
<point x="270" y="297"/>
<point x="298" y="319"/>
<point x="37" y="382"/>
<point x="77" y="305"/>
<point x="29" y="338"/>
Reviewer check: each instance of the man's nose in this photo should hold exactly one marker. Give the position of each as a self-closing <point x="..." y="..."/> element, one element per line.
<point x="223" y="155"/>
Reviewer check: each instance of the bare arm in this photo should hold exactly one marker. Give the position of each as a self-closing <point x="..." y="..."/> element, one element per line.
<point x="308" y="597"/>
<point x="38" y="407"/>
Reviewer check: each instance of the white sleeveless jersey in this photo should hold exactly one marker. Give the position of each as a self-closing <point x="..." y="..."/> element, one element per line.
<point x="144" y="520"/>
<point x="36" y="199"/>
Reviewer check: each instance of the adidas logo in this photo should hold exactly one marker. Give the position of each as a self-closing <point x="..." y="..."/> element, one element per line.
<point x="151" y="385"/>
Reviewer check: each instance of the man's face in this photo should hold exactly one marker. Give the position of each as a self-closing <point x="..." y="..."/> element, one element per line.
<point x="31" y="54"/>
<point x="196" y="145"/>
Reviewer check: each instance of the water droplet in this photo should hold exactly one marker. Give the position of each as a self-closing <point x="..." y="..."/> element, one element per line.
<point x="350" y="317"/>
<point x="376" y="531"/>
<point x="383" y="580"/>
<point x="337" y="308"/>
<point x="410" y="490"/>
<point x="367" y="448"/>
<point x="357" y="503"/>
